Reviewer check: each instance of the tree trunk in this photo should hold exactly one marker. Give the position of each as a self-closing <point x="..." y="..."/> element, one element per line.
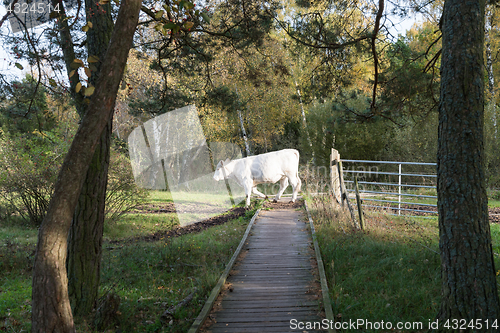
<point x="85" y="236"/>
<point x="51" y="311"/>
<point x="469" y="288"/>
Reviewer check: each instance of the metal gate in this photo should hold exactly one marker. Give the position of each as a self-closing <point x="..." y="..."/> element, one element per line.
<point x="395" y="187"/>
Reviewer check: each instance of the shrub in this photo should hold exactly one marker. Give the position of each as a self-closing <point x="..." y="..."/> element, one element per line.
<point x="29" y="166"/>
<point x="122" y="194"/>
<point x="28" y="169"/>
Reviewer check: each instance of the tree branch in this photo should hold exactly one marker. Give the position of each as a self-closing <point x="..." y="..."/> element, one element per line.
<point x="374" y="51"/>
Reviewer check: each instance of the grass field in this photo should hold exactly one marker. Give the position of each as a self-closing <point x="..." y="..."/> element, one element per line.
<point x="148" y="277"/>
<point x="390" y="271"/>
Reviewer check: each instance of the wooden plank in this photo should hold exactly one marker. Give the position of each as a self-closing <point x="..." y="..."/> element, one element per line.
<point x="263" y="274"/>
<point x="280" y="309"/>
<point x="289" y="298"/>
<point x="263" y="326"/>
<point x="271" y="282"/>
<point x="229" y="328"/>
<point x="268" y="304"/>
<point x="277" y="316"/>
<point x="242" y="292"/>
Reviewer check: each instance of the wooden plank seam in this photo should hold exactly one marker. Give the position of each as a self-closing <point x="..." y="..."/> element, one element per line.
<point x="222" y="280"/>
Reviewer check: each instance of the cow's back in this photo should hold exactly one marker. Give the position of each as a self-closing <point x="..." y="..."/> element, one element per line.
<point x="273" y="166"/>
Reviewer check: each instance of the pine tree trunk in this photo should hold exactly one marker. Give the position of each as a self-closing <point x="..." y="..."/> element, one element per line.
<point x="85" y="236"/>
<point x="51" y="311"/>
<point x="469" y="287"/>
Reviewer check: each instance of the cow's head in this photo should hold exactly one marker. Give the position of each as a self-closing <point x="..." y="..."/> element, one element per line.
<point x="220" y="171"/>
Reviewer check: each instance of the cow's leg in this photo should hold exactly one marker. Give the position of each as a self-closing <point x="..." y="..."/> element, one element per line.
<point x="260" y="194"/>
<point x="296" y="184"/>
<point x="283" y="186"/>
<point x="248" y="192"/>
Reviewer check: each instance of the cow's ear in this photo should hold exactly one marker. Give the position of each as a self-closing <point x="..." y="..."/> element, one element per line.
<point x="227" y="161"/>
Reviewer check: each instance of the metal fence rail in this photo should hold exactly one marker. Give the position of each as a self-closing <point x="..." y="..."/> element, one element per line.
<point x="387" y="188"/>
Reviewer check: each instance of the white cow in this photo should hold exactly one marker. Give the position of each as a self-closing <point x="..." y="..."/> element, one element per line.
<point x="282" y="165"/>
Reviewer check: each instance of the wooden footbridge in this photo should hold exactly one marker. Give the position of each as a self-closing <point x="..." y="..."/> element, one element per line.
<point x="274" y="283"/>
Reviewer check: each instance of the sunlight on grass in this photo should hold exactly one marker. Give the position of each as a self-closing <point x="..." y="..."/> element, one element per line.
<point x="150" y="277"/>
<point x="493" y="203"/>
<point x="139" y="224"/>
<point x="389" y="272"/>
<point x="160" y="196"/>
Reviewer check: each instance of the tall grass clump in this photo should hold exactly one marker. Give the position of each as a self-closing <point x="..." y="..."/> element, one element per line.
<point x="390" y="271"/>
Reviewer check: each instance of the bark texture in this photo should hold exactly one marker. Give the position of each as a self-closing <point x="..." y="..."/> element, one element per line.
<point x="85" y="236"/>
<point x="469" y="289"/>
<point x="51" y="311"/>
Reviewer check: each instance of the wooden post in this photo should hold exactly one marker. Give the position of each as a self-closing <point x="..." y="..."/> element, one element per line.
<point x="343" y="192"/>
<point x="358" y="201"/>
<point x="335" y="176"/>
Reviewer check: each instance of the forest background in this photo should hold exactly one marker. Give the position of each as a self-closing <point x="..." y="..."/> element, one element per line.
<point x="290" y="92"/>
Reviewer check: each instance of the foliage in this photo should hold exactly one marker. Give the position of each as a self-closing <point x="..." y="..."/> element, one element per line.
<point x="258" y="83"/>
<point x="122" y="193"/>
<point x="28" y="169"/>
<point x="330" y="44"/>
<point x="411" y="75"/>
<point x="26" y="107"/>
<point x="416" y="141"/>
<point x="332" y="125"/>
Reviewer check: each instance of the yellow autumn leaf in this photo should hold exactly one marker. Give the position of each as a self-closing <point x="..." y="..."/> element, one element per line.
<point x="72" y="73"/>
<point x="159" y="14"/>
<point x="78" y="87"/>
<point x="89" y="91"/>
<point x="93" y="58"/>
<point x="88" y="72"/>
<point x="77" y="63"/>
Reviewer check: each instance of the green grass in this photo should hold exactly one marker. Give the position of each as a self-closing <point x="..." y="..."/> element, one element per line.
<point x="131" y="225"/>
<point x="186" y="197"/>
<point x="160" y="197"/>
<point x="149" y="277"/>
<point x="16" y="257"/>
<point x="493" y="203"/>
<point x="389" y="272"/>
